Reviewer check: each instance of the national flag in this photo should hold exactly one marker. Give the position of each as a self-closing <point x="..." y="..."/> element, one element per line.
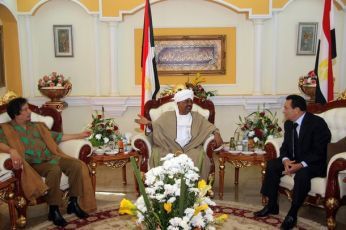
<point x="150" y="80"/>
<point x="326" y="52"/>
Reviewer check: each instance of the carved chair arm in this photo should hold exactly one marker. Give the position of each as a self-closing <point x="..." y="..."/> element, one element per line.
<point x="336" y="166"/>
<point x="142" y="144"/>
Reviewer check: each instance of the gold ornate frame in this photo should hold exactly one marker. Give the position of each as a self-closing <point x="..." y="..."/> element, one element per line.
<point x="190" y="54"/>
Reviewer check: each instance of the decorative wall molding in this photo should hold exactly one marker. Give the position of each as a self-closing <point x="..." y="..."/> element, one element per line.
<point x="113" y="35"/>
<point x="275" y="52"/>
<point x="97" y="55"/>
<point x="117" y="106"/>
<point x="257" y="88"/>
<point x="29" y="57"/>
<point x="39" y="3"/>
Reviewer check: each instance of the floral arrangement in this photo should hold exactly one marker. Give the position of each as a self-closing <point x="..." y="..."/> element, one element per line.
<point x="260" y="125"/>
<point x="173" y="197"/>
<point x="54" y="80"/>
<point x="103" y="130"/>
<point x="195" y="85"/>
<point x="310" y="79"/>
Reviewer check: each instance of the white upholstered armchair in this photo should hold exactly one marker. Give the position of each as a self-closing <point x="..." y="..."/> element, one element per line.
<point x="154" y="109"/>
<point x="79" y="149"/>
<point x="327" y="192"/>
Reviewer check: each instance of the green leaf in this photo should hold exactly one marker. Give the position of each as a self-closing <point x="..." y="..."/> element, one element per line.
<point x="182" y="196"/>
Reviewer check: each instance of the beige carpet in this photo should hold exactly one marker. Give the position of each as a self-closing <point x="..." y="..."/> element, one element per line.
<point x="240" y="217"/>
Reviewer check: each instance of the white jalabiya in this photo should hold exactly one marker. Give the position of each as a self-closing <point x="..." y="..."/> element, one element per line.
<point x="184" y="123"/>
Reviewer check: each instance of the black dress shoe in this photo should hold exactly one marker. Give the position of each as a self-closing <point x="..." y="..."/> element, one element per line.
<point x="55" y="216"/>
<point x="289" y="223"/>
<point x="266" y="211"/>
<point x="73" y="207"/>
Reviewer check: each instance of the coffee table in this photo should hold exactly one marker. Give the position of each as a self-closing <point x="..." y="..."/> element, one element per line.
<point x="240" y="160"/>
<point x="118" y="160"/>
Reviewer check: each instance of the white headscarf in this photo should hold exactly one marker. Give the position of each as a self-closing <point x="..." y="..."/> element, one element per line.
<point x="183" y="121"/>
<point x="182" y="95"/>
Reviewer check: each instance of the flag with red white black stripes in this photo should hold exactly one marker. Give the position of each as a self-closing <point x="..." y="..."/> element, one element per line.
<point x="150" y="80"/>
<point x="326" y="53"/>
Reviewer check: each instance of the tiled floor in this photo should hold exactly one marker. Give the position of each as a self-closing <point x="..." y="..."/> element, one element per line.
<point x="110" y="180"/>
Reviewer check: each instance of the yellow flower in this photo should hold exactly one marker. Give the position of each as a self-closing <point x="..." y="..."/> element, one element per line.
<point x="200" y="208"/>
<point x="167" y="207"/>
<point x="127" y="207"/>
<point x="221" y="219"/>
<point x="203" y="188"/>
<point x="201" y="184"/>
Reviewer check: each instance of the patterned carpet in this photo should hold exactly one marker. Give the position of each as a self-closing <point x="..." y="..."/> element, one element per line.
<point x="240" y="217"/>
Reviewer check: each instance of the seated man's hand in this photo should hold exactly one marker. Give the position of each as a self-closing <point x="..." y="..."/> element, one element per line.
<point x="16" y="159"/>
<point x="142" y="120"/>
<point x="85" y="134"/>
<point x="218" y="139"/>
<point x="291" y="167"/>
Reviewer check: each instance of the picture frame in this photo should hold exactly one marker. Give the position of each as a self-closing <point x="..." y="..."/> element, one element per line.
<point x="190" y="54"/>
<point x="307" y="38"/>
<point x="63" y="40"/>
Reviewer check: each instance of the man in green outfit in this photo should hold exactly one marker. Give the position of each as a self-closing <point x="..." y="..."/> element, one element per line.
<point x="33" y="148"/>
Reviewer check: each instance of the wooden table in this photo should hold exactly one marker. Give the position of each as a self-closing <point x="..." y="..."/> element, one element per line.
<point x="114" y="161"/>
<point x="6" y="193"/>
<point x="240" y="161"/>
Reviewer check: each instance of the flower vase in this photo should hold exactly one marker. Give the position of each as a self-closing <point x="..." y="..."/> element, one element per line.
<point x="55" y="94"/>
<point x="251" y="144"/>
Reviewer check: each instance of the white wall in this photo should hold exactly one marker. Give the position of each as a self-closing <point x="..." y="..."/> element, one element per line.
<point x="290" y="66"/>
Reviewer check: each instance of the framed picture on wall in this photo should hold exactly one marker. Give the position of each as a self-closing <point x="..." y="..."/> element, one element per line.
<point x="63" y="42"/>
<point x="190" y="54"/>
<point x="307" y="38"/>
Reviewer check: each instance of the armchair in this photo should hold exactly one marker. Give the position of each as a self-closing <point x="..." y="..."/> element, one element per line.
<point x="327" y="192"/>
<point x="154" y="109"/>
<point x="80" y="149"/>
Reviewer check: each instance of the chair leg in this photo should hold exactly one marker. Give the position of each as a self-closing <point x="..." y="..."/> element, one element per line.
<point x="332" y="205"/>
<point x="124" y="175"/>
<point x="11" y="207"/>
<point x="21" y="206"/>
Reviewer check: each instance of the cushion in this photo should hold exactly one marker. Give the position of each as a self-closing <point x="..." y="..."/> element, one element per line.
<point x="49" y="121"/>
<point x="318" y="184"/>
<point x="337" y="147"/>
<point x="335" y="119"/>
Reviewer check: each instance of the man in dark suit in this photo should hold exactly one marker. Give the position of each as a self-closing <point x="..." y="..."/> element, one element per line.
<point x="303" y="153"/>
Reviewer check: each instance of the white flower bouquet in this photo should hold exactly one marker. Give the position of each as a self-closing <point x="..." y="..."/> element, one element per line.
<point x="173" y="198"/>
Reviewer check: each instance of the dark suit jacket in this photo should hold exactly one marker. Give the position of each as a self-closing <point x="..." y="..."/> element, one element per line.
<point x="314" y="136"/>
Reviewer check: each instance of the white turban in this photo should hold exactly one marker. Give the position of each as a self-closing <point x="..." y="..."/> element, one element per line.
<point x="182" y="95"/>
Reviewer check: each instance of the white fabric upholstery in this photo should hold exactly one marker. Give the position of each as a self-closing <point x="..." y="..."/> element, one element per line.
<point x="335" y="118"/>
<point x="170" y="106"/>
<point x="34" y="117"/>
<point x="72" y="147"/>
<point x="3" y="158"/>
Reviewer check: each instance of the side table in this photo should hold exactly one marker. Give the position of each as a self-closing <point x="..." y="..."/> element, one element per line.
<point x="7" y="194"/>
<point x="240" y="161"/>
<point x="114" y="161"/>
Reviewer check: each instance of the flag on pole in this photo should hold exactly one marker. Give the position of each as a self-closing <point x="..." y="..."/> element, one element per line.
<point x="150" y="80"/>
<point x="326" y="52"/>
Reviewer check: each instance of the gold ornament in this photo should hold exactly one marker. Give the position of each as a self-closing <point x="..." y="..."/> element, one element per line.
<point x="8" y="97"/>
